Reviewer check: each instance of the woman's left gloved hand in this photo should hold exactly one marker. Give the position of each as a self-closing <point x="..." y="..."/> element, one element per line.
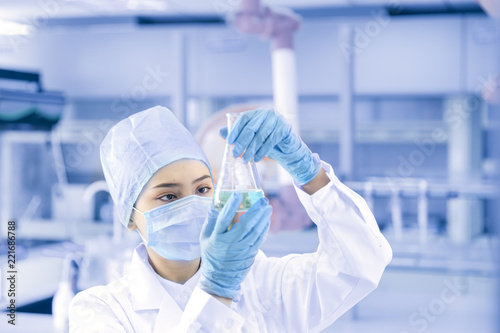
<point x="264" y="132"/>
<point x="228" y="255"/>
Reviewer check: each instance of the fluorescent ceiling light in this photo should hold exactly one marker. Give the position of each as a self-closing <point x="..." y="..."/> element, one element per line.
<point x="147" y="4"/>
<point x="13" y="28"/>
<point x="120" y="5"/>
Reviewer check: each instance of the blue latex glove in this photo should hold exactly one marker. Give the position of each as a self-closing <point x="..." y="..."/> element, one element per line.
<point x="262" y="132"/>
<point x="228" y="255"/>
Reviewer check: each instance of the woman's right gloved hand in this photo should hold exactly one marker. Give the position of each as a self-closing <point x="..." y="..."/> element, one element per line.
<point x="264" y="132"/>
<point x="228" y="255"/>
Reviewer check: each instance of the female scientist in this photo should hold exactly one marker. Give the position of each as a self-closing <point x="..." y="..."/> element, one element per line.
<point x="195" y="273"/>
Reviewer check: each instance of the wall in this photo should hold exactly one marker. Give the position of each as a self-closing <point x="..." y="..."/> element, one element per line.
<point x="402" y="55"/>
<point x="404" y="67"/>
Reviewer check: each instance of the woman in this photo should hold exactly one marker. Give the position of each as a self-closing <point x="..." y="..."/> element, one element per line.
<point x="197" y="271"/>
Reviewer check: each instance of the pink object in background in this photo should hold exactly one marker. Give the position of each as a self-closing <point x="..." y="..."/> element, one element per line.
<point x="491" y="90"/>
<point x="277" y="25"/>
<point x="492" y="7"/>
<point x="288" y="212"/>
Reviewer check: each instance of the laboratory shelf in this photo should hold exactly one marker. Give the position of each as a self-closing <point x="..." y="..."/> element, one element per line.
<point x="441" y="256"/>
<point x="396" y="305"/>
<point x="438" y="256"/>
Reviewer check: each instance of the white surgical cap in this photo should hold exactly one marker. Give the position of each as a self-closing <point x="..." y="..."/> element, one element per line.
<point x="138" y="146"/>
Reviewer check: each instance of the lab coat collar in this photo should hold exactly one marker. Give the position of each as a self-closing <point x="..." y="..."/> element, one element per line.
<point x="146" y="291"/>
<point x="169" y="315"/>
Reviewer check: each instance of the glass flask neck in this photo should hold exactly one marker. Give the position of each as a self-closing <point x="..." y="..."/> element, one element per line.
<point x="231" y="118"/>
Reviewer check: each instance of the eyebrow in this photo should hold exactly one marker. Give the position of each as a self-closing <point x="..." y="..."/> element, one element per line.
<point x="177" y="184"/>
<point x="201" y="178"/>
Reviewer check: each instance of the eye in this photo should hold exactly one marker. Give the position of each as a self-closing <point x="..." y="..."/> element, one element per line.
<point x="167" y="197"/>
<point x="204" y="190"/>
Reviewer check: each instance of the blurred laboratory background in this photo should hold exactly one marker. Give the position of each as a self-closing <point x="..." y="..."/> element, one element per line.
<point x="401" y="97"/>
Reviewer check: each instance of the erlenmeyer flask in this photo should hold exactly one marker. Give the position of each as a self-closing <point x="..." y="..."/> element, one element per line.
<point x="234" y="175"/>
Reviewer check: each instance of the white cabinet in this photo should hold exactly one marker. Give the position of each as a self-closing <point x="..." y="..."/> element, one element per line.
<point x="222" y="62"/>
<point x="411" y="55"/>
<point x="432" y="54"/>
<point x="438" y="54"/>
<point x="482" y="51"/>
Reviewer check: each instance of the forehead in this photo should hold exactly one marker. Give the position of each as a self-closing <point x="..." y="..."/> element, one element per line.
<point x="180" y="171"/>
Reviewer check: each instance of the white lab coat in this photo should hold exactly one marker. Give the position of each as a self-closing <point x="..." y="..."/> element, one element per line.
<point x="296" y="293"/>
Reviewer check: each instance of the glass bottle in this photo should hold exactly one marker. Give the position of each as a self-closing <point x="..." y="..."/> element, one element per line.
<point x="234" y="175"/>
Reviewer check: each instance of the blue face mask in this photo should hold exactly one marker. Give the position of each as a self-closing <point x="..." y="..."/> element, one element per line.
<point x="174" y="229"/>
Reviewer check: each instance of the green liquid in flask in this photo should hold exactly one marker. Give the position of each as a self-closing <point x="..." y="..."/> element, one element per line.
<point x="249" y="198"/>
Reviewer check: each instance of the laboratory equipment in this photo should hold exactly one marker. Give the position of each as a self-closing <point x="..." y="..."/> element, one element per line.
<point x="397" y="213"/>
<point x="423" y="210"/>
<point x="65" y="293"/>
<point x="235" y="175"/>
<point x="26" y="105"/>
<point x="27" y="113"/>
<point x="279" y="26"/>
<point x="90" y="193"/>
<point x="265" y="132"/>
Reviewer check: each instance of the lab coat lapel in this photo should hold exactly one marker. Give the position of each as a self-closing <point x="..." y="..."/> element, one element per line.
<point x="168" y="316"/>
<point x="147" y="293"/>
